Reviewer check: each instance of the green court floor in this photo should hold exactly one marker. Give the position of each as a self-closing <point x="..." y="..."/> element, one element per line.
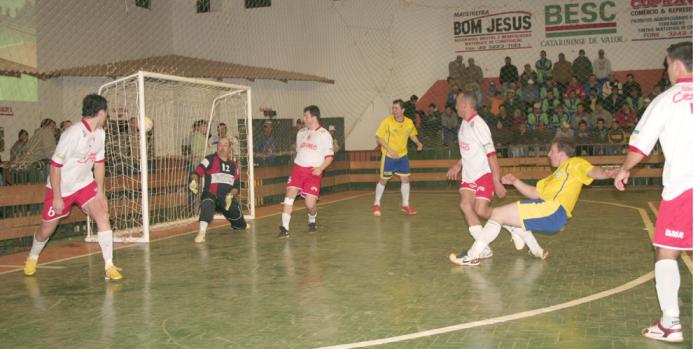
<point x="359" y="278"/>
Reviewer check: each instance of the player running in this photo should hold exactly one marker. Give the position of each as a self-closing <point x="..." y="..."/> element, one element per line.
<point x="221" y="183"/>
<point x="71" y="181"/>
<point x="551" y="202"/>
<point x="314" y="154"/>
<point x="392" y="135"/>
<point x="669" y="120"/>
<point x="479" y="167"/>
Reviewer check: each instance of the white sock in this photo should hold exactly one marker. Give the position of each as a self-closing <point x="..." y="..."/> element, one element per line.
<point x="104" y="238"/>
<point x="474" y="231"/>
<point x="203" y="227"/>
<point x="488" y="233"/>
<point x="378" y="193"/>
<point x="405" y="191"/>
<point x="286" y="217"/>
<point x="668" y="281"/>
<point x="37" y="246"/>
<point x="529" y="239"/>
<point x="312" y="219"/>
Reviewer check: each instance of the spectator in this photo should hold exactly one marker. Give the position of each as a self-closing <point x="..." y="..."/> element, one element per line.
<point x="528" y="74"/>
<point x="221" y="132"/>
<point x="559" y="117"/>
<point x="517" y="119"/>
<point x="636" y="102"/>
<point x="410" y="110"/>
<point x="617" y="136"/>
<point x="602" y="68"/>
<point x="626" y="118"/>
<point x="449" y="124"/>
<point x="575" y="87"/>
<point x="534" y="116"/>
<point x="570" y="103"/>
<point x="492" y="89"/>
<point x="452" y="95"/>
<point x="631" y="85"/>
<point x="600" y="113"/>
<point x="198" y="140"/>
<point x="580" y="115"/>
<point x="531" y="93"/>
<point x="582" y="66"/>
<point x="609" y="85"/>
<point x="473" y="73"/>
<point x="541" y="135"/>
<point x="336" y="144"/>
<point x="565" y="131"/>
<point x="590" y="85"/>
<point x="503" y="116"/>
<point x="488" y="116"/>
<point x="549" y="85"/>
<point x="614" y="102"/>
<point x="265" y="142"/>
<point x="65" y="124"/>
<point x="599" y="134"/>
<point x="509" y="73"/>
<point x="511" y="103"/>
<point x="543" y="66"/>
<point x="20" y="146"/>
<point x="431" y="124"/>
<point x="474" y="87"/>
<point x="521" y="139"/>
<point x="457" y="69"/>
<point x="550" y="103"/>
<point x="502" y="136"/>
<point x="655" y="91"/>
<point x="496" y="102"/>
<point x="592" y="100"/>
<point x="562" y="72"/>
<point x="41" y="145"/>
<point x="583" y="139"/>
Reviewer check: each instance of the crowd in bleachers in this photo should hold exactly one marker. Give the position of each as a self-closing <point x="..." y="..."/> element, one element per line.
<point x="583" y="100"/>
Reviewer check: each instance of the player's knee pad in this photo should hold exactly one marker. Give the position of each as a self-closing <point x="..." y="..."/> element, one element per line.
<point x="288" y="201"/>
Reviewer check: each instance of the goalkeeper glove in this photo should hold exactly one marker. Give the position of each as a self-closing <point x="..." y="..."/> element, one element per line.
<point x="229" y="201"/>
<point x="193" y="186"/>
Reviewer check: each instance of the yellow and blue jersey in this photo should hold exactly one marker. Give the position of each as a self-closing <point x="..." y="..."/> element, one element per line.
<point x="564" y="185"/>
<point x="396" y="134"/>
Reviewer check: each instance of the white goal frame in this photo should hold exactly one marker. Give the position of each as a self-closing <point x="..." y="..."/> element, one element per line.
<point x="235" y="89"/>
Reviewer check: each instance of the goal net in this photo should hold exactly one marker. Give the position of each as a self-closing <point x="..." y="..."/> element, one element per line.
<point x="159" y="128"/>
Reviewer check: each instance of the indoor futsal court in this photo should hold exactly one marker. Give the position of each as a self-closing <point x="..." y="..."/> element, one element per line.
<point x="312" y="174"/>
<point x="357" y="280"/>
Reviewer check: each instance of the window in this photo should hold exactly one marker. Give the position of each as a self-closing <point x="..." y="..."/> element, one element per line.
<point x="257" y="3"/>
<point x="143" y="4"/>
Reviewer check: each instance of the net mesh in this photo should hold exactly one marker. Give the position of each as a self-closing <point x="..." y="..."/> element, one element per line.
<point x="187" y="120"/>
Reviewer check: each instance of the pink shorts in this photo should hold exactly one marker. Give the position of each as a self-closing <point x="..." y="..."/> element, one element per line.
<point x="80" y="197"/>
<point x="302" y="179"/>
<point x="674" y="225"/>
<point x="483" y="187"/>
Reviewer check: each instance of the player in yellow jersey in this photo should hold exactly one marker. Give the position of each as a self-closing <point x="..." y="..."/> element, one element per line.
<point x="551" y="202"/>
<point x="392" y="136"/>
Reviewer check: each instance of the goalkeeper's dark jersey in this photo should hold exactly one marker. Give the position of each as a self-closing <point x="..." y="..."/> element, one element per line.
<point x="219" y="176"/>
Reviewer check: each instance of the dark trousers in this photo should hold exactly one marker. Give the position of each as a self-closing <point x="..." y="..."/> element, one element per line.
<point x="211" y="203"/>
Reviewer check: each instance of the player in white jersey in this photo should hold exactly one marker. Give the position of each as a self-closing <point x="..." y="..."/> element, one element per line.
<point x="314" y="154"/>
<point x="669" y="119"/>
<point x="479" y="167"/>
<point x="71" y="181"/>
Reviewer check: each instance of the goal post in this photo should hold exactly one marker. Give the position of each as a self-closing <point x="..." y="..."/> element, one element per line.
<point x="148" y="170"/>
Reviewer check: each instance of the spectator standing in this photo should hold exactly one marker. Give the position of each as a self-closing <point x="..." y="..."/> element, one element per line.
<point x="543" y="66"/>
<point x="509" y="72"/>
<point x="562" y="72"/>
<point x="602" y="68"/>
<point x="473" y="73"/>
<point x="583" y="68"/>
<point x="449" y="124"/>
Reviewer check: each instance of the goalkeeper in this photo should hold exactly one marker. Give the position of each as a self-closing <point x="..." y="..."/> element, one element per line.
<point x="221" y="183"/>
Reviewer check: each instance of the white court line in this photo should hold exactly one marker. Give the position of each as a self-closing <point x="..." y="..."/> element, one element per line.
<point x="684" y="254"/>
<point x="38" y="266"/>
<point x="517" y="316"/>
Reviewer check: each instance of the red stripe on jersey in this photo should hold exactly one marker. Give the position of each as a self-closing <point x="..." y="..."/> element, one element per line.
<point x="99" y="161"/>
<point x="493" y="153"/>
<point x="471" y="117"/>
<point x="85" y="123"/>
<point x="55" y="164"/>
<point x="679" y="80"/>
<point x="634" y="149"/>
<point x="329" y="156"/>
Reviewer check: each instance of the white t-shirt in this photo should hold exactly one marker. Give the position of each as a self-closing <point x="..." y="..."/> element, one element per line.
<point x="669" y="119"/>
<point x="77" y="151"/>
<point x="475" y="146"/>
<point x="313" y="146"/>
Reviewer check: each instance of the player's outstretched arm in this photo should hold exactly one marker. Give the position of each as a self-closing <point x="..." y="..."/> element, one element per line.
<point x="527" y="190"/>
<point x="597" y="172"/>
<point x="632" y="159"/>
<point x="496" y="172"/>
